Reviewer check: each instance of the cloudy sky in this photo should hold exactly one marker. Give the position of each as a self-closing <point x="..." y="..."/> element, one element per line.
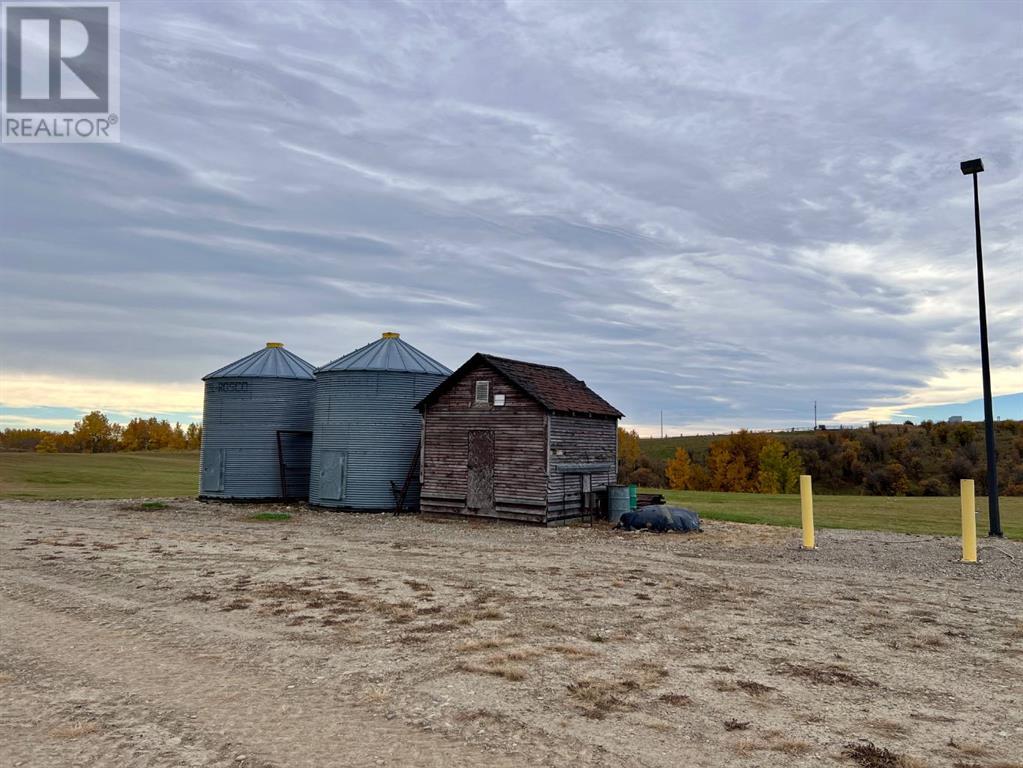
<point x="721" y="211"/>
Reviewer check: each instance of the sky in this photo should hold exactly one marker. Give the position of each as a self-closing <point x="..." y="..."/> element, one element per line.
<point x="722" y="212"/>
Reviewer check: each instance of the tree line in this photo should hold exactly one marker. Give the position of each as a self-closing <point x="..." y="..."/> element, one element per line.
<point x="928" y="459"/>
<point x="96" y="433"/>
<point x="741" y="462"/>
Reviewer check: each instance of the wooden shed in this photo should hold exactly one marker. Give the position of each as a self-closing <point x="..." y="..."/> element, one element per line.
<point x="514" y="440"/>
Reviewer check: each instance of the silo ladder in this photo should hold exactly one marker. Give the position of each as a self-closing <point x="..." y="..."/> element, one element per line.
<point x="401" y="495"/>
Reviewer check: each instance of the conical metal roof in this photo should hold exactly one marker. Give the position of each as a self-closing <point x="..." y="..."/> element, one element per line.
<point x="389" y="353"/>
<point x="271" y="362"/>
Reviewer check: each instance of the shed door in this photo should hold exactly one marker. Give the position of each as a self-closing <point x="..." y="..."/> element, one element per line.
<point x="212" y="470"/>
<point x="332" y="475"/>
<point x="479" y="494"/>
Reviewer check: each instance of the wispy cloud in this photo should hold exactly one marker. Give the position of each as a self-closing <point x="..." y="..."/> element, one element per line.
<point x="721" y="211"/>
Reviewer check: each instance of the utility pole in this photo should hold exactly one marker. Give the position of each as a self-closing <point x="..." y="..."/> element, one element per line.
<point x="814" y="415"/>
<point x="972" y="168"/>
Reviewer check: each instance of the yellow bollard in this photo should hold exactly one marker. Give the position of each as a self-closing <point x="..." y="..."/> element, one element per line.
<point x="806" y="499"/>
<point x="969" y="506"/>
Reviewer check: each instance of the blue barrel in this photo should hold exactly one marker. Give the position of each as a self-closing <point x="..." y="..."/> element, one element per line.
<point x="633" y="496"/>
<point x="617" y="502"/>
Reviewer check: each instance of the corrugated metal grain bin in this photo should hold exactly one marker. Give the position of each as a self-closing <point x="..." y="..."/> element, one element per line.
<point x="366" y="428"/>
<point x="257" y="427"/>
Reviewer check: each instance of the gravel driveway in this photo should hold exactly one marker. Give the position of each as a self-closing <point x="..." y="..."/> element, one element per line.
<point x="194" y="636"/>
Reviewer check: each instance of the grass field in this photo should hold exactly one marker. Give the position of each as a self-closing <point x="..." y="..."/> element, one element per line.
<point x="167" y="474"/>
<point x="98" y="475"/>
<point x="929" y="515"/>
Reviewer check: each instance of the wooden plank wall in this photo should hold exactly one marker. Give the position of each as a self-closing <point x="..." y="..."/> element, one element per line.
<point x="520" y="439"/>
<point x="579" y="440"/>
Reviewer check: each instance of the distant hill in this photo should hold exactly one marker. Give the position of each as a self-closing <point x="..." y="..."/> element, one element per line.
<point x="926" y="459"/>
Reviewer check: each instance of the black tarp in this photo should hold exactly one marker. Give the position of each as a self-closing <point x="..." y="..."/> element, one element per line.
<point x="661" y="519"/>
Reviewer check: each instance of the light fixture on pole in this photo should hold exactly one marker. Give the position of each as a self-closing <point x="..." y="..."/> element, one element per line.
<point x="972" y="168"/>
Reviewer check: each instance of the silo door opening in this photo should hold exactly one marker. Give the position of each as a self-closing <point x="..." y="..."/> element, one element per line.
<point x="479" y="494"/>
<point x="294" y="455"/>
<point x="333" y="475"/>
<point x="212" y="470"/>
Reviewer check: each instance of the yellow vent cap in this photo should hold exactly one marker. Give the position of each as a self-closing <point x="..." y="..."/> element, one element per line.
<point x="390" y="335"/>
<point x="274" y="345"/>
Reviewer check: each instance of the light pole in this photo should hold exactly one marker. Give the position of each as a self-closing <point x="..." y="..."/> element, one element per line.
<point x="972" y="168"/>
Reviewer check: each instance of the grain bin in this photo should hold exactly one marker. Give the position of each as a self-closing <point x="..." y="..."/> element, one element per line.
<point x="257" y="427"/>
<point x="366" y="428"/>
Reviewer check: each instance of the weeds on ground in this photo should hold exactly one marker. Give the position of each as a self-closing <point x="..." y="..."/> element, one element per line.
<point x="268" y="517"/>
<point x="599" y="697"/>
<point x="929" y="643"/>
<point x="568" y="649"/>
<point x="74" y="731"/>
<point x="785" y="746"/>
<point x="200" y="597"/>
<point x="472" y="715"/>
<point x="516" y="654"/>
<point x="490" y="614"/>
<point x="1016" y="633"/>
<point x="973" y="750"/>
<point x="481" y="644"/>
<point x="145" y="506"/>
<point x="753" y="688"/>
<point x="436" y="626"/>
<point x="675" y="699"/>
<point x="887" y="727"/>
<point x="868" y="755"/>
<point x="791" y="747"/>
<point x="824" y="674"/>
<point x="497" y="669"/>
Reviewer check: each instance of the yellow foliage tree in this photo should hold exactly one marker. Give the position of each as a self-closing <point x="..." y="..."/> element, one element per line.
<point x="733" y="461"/>
<point x="680" y="471"/>
<point x="48" y="444"/>
<point x="95" y="434"/>
<point x="779" y="471"/>
<point x="628" y="452"/>
<point x="193" y="436"/>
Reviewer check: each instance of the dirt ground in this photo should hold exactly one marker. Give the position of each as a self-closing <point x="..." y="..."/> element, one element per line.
<point x="194" y="636"/>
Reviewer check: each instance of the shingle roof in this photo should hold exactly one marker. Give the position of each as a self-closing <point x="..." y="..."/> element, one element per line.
<point x="554" y="388"/>
<point x="388" y="353"/>
<point x="271" y="362"/>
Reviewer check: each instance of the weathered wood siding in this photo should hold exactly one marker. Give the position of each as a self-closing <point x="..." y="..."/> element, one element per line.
<point x="519" y="450"/>
<point x="579" y="445"/>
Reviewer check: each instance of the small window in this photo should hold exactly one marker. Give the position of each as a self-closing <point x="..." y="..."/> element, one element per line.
<point x="482" y="392"/>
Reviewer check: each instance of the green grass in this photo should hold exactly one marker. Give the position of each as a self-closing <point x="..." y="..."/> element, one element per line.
<point x="904" y="514"/>
<point x="98" y="475"/>
<point x="269" y="517"/>
<point x="167" y="474"/>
